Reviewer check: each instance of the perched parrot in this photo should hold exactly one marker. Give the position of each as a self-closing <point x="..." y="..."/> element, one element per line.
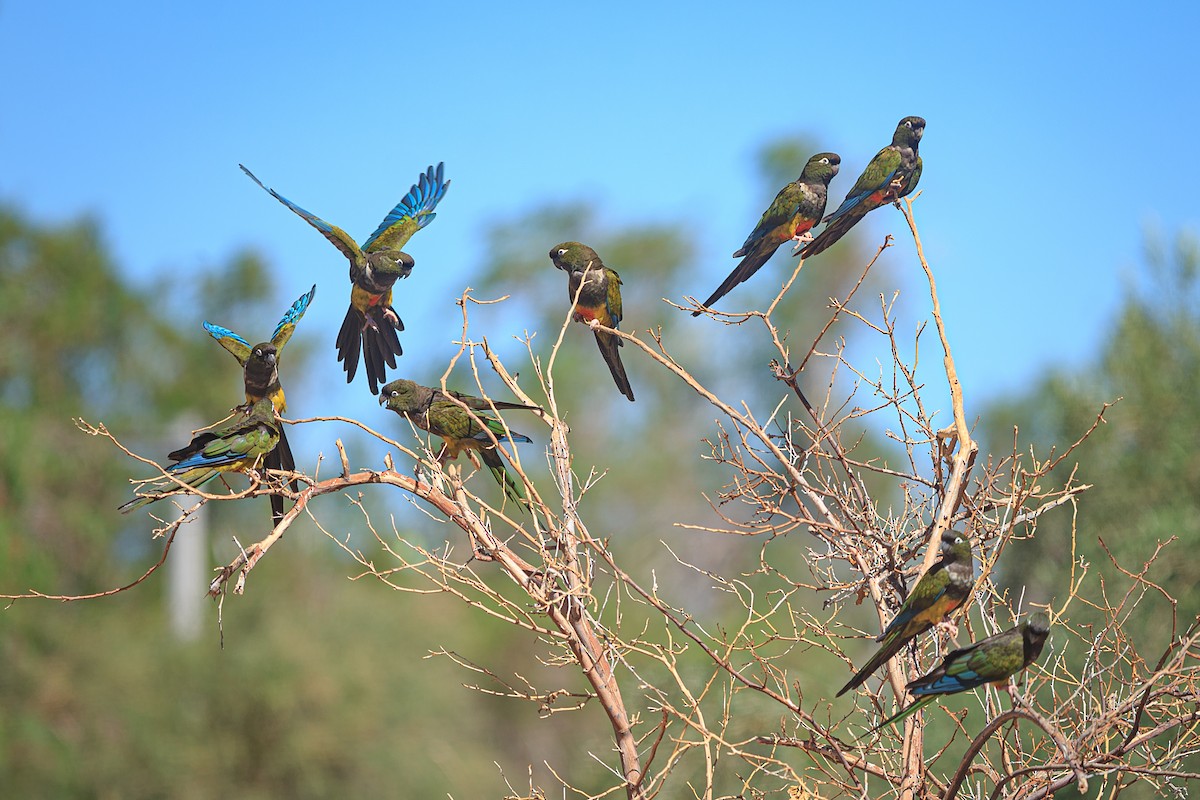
<point x="891" y="174"/>
<point x="600" y="300"/>
<point x="237" y="445"/>
<point x="937" y="594"/>
<point x="992" y="660"/>
<point x="432" y="410"/>
<point x="371" y="321"/>
<point x="260" y="372"/>
<point x="793" y="213"/>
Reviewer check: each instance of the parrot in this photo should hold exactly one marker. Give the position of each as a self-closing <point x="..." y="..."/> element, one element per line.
<point x="890" y="175"/>
<point x="992" y="660"/>
<point x="433" y="411"/>
<point x="239" y="444"/>
<point x="940" y="591"/>
<point x="260" y="371"/>
<point x="600" y="300"/>
<point x="374" y="268"/>
<point x="793" y="213"/>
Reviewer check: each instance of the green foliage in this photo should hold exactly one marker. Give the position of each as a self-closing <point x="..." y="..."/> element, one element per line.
<point x="1144" y="464"/>
<point x="81" y="342"/>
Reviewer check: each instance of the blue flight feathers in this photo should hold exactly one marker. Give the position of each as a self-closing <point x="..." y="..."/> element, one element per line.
<point x="219" y="333"/>
<point x="851" y="202"/>
<point x="294" y="313"/>
<point x="418" y="204"/>
<point x="200" y="459"/>
<point x="311" y="218"/>
<point x="949" y="684"/>
<point x="906" y="615"/>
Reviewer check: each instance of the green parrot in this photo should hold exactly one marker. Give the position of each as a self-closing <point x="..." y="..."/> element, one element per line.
<point x="260" y="374"/>
<point x="890" y="175"/>
<point x="239" y="444"/>
<point x="433" y="411"/>
<point x="371" y="322"/>
<point x="600" y="300"/>
<point x="940" y="591"/>
<point x="793" y="213"/>
<point x="992" y="660"/>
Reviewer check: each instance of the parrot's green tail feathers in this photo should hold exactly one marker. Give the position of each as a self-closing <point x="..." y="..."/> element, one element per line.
<point x="513" y="489"/>
<point x="888" y="649"/>
<point x="900" y="715"/>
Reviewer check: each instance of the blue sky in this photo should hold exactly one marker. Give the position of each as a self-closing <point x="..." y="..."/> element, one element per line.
<point x="1054" y="137"/>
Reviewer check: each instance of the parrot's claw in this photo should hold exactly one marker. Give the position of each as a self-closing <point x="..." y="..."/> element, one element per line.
<point x="801" y="240"/>
<point x="949" y="627"/>
<point x="392" y="317"/>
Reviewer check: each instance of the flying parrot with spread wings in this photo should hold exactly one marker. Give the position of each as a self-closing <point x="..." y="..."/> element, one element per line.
<point x="890" y="175"/>
<point x="599" y="301"/>
<point x="260" y="373"/>
<point x="238" y="444"/>
<point x="940" y="591"/>
<point x="790" y="217"/>
<point x="371" y="322"/>
<point x="433" y="411"/>
<point x="991" y="660"/>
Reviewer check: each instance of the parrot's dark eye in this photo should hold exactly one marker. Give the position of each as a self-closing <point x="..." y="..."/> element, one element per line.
<point x="824" y="160"/>
<point x="395" y="394"/>
<point x="258" y="352"/>
<point x="562" y="251"/>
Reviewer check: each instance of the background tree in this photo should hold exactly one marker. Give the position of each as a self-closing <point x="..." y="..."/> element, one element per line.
<point x="711" y="642"/>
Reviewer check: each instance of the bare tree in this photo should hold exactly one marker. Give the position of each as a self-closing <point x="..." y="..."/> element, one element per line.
<point x="691" y="700"/>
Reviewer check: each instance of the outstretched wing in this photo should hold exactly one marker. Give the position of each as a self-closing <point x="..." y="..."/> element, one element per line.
<point x="411" y="214"/>
<point x="235" y="344"/>
<point x="338" y="237"/>
<point x="287" y="325"/>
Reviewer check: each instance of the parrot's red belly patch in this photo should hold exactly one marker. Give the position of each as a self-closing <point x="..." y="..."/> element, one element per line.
<point x="586" y="313"/>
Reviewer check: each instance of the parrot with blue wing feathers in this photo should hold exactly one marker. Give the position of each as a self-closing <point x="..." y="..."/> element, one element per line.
<point x="238" y="444"/>
<point x="260" y="372"/>
<point x="433" y="411"/>
<point x="793" y="213"/>
<point x="371" y="323"/>
<point x="940" y="591"/>
<point x="890" y="175"/>
<point x="991" y="660"/>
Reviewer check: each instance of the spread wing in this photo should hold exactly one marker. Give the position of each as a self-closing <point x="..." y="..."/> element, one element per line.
<point x="235" y="344"/>
<point x="411" y="214"/>
<point x="287" y="325"/>
<point x="338" y="237"/>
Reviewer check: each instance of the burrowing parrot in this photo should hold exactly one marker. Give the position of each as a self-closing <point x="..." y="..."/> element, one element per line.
<point x="433" y="411"/>
<point x="793" y="213"/>
<point x="890" y="175"/>
<point x="992" y="660"/>
<point x="940" y="591"/>
<point x="260" y="373"/>
<point x="599" y="300"/>
<point x="374" y="268"/>
<point x="239" y="444"/>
